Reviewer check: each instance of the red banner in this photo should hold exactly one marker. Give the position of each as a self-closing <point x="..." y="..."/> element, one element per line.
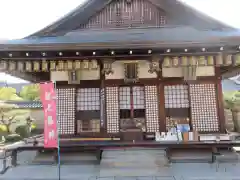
<point x="48" y="98"/>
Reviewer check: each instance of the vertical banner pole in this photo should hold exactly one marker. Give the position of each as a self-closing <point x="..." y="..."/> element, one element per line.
<point x="58" y="133"/>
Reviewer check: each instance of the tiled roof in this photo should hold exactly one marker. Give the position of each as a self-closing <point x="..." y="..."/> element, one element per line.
<point x="17" y="86"/>
<point x="168" y="35"/>
<point x="27" y="104"/>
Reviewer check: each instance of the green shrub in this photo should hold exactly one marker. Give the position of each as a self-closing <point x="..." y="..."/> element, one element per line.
<point x="23" y="131"/>
<point x="13" y="138"/>
<point x="3" y="133"/>
<point x="36" y="131"/>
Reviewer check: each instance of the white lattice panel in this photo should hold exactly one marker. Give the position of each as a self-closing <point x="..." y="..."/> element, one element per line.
<point x="124" y="98"/>
<point x="88" y="99"/>
<point x="176" y="96"/>
<point x="151" y="105"/>
<point x="138" y="97"/>
<point x="112" y="109"/>
<point x="66" y="110"/>
<point x="204" y="107"/>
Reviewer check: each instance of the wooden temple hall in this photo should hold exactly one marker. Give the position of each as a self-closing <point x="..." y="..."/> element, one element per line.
<point x="127" y="69"/>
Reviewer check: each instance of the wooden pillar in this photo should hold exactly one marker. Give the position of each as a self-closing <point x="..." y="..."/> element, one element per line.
<point x="161" y="102"/>
<point x="161" y="107"/>
<point x="220" y="103"/>
<point x="103" y="120"/>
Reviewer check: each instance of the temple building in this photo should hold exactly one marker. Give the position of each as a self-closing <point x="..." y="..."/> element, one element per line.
<point x="126" y="69"/>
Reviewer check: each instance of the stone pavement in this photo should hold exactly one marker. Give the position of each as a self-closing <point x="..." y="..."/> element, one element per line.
<point x="127" y="166"/>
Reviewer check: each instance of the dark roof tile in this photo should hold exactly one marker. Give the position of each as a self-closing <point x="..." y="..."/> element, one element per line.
<point x="177" y="34"/>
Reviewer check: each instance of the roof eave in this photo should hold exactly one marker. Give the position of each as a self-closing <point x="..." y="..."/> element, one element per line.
<point x="119" y="45"/>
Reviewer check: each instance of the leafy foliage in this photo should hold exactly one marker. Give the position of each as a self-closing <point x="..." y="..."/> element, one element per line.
<point x="13" y="138"/>
<point x="232" y="100"/>
<point x="9" y="93"/>
<point x="23" y="131"/>
<point x="31" y="92"/>
<point x="11" y="116"/>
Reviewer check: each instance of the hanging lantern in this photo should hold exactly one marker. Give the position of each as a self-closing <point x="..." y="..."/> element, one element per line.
<point x="53" y="65"/>
<point x="210" y="61"/>
<point x="36" y="66"/>
<point x="237" y="59"/>
<point x="60" y="66"/>
<point x="44" y="66"/>
<point x="85" y="64"/>
<point x="12" y="66"/>
<point x="219" y="60"/>
<point x="167" y="62"/>
<point x="228" y="60"/>
<point x="20" y="66"/>
<point x="69" y="65"/>
<point x="202" y="61"/>
<point x="3" y="65"/>
<point x="77" y="64"/>
<point x="175" y="61"/>
<point x="184" y="61"/>
<point x="28" y="66"/>
<point x="93" y="64"/>
<point x="193" y="61"/>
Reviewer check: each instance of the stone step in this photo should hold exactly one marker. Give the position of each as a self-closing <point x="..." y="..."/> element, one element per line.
<point x="66" y="158"/>
<point x="191" y="156"/>
<point x="227" y="156"/>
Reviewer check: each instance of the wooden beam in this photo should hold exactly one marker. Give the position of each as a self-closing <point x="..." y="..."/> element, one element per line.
<point x="219" y="99"/>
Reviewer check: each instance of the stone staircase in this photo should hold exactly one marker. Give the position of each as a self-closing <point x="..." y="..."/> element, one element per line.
<point x="133" y="161"/>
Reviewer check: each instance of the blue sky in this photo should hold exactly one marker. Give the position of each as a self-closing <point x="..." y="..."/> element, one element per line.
<point x="20" y="18"/>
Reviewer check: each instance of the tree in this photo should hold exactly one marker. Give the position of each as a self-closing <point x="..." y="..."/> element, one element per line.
<point x="10" y="115"/>
<point x="9" y="93"/>
<point x="232" y="102"/>
<point x="31" y="92"/>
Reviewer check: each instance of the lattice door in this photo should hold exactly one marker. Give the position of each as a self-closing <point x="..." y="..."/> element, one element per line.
<point x="112" y="109"/>
<point x="66" y="110"/>
<point x="176" y="103"/>
<point x="204" y="107"/>
<point x="151" y="104"/>
<point x="88" y="110"/>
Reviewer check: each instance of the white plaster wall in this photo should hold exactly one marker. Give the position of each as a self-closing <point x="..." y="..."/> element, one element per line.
<point x="82" y="75"/>
<point x="178" y="72"/>
<point x="88" y="74"/>
<point x="59" y="76"/>
<point x="205" y="71"/>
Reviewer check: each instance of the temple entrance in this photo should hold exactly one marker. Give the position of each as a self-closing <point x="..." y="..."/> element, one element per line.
<point x="132" y="112"/>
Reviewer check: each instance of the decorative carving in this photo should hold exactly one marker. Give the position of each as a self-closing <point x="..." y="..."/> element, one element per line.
<point x="107" y="67"/>
<point x="154" y="66"/>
